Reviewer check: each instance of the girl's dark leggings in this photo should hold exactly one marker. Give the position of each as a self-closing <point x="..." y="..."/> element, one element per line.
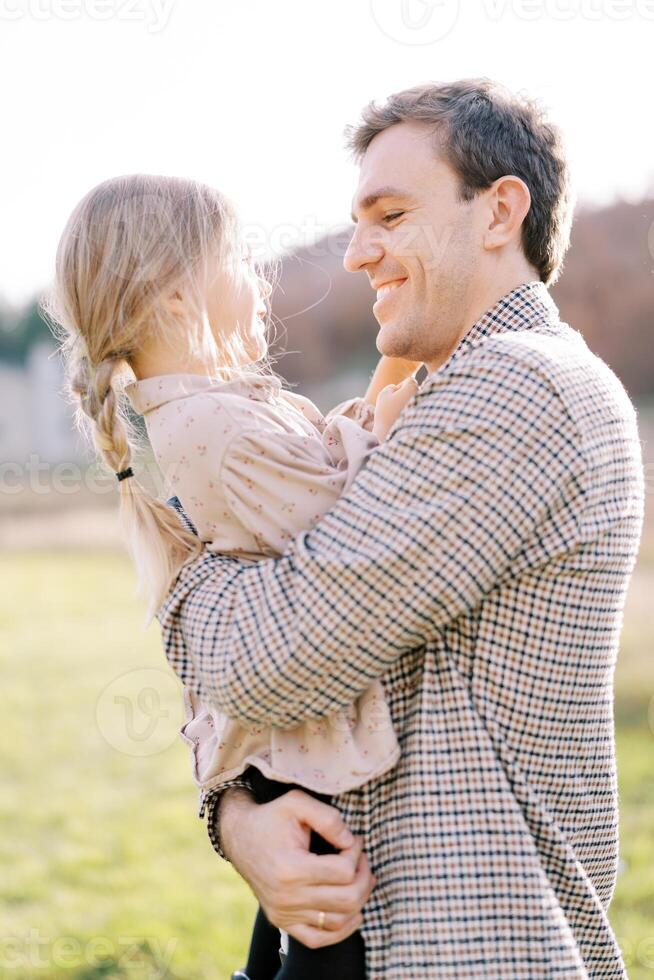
<point x="341" y="961"/>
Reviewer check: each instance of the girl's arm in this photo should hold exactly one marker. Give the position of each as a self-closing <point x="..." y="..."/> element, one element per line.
<point x="389" y="371"/>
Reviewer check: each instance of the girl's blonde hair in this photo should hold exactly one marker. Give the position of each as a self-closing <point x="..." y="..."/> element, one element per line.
<point x="130" y="245"/>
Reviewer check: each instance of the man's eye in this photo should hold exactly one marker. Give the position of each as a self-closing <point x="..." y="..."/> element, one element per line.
<point x="392" y="216"/>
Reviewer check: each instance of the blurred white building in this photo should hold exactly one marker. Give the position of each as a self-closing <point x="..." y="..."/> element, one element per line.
<point x="35" y="417"/>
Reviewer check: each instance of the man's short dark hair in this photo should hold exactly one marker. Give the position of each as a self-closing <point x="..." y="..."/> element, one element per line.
<point x="484" y="132"/>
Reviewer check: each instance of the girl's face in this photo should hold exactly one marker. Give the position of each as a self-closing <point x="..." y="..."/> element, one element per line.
<point x="237" y="302"/>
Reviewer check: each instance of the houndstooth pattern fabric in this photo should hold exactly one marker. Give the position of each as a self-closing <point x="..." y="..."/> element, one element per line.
<point x="478" y="566"/>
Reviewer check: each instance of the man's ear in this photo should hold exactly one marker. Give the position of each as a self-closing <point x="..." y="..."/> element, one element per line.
<point x="509" y="201"/>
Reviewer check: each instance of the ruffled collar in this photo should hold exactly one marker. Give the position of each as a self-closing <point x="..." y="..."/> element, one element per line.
<point x="151" y="393"/>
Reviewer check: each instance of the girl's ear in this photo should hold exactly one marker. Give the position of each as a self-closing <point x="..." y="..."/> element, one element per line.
<point x="175" y="303"/>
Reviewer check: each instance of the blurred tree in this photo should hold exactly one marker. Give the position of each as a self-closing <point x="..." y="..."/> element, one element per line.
<point x="19" y="331"/>
<point x="606" y="289"/>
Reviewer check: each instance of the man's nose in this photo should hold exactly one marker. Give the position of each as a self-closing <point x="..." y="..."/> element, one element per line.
<point x="364" y="249"/>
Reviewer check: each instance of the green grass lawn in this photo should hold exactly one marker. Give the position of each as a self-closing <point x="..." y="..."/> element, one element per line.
<point x="106" y="870"/>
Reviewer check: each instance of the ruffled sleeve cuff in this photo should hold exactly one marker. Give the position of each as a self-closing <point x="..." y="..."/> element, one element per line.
<point x="356" y="409"/>
<point x="349" y="445"/>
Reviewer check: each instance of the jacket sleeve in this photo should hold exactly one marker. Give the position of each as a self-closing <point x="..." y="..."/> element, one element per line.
<point x="479" y="477"/>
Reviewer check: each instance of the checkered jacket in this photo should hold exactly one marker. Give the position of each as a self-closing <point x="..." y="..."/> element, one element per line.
<point x="478" y="566"/>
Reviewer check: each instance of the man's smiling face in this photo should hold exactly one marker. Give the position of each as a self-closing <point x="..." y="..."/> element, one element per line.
<point x="418" y="242"/>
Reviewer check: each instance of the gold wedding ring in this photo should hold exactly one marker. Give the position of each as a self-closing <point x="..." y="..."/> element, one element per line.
<point x="321" y="920"/>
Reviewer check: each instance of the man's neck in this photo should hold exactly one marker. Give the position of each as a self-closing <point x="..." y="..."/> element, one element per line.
<point x="484" y="300"/>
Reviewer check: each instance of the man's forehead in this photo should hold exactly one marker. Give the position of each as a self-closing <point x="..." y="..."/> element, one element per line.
<point x="397" y="162"/>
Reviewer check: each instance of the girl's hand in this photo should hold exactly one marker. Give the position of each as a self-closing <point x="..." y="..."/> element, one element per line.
<point x="390" y="402"/>
<point x="390" y="370"/>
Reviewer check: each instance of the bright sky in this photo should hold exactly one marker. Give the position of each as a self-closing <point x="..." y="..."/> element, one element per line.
<point x="252" y="96"/>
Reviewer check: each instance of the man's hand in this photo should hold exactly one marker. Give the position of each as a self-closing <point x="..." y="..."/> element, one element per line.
<point x="268" y="844"/>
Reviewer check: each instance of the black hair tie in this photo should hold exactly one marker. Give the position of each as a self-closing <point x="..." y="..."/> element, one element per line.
<point x="124" y="474"/>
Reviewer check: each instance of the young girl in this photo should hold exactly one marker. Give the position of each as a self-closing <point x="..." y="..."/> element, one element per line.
<point x="153" y="288"/>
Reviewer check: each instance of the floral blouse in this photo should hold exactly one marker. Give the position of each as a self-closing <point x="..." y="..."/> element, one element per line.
<point x="253" y="465"/>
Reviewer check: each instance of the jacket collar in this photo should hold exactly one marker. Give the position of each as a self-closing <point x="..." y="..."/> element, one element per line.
<point x="524" y="307"/>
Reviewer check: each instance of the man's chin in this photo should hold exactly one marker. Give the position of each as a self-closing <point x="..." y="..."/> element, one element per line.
<point x="390" y="342"/>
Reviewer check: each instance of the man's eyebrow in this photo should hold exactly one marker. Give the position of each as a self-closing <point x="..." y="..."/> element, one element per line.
<point x="371" y="199"/>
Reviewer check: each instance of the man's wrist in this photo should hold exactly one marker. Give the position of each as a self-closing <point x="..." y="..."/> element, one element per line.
<point x="214" y="811"/>
<point x="229" y="812"/>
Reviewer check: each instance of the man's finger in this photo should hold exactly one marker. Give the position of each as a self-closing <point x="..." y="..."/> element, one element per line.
<point x="326" y="820"/>
<point x="365" y="877"/>
<point x="332" y="869"/>
<point x="346" y="899"/>
<point x="317" y="938"/>
<point x="333" y="921"/>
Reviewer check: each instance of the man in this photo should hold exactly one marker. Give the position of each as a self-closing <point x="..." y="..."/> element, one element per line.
<point x="478" y="565"/>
